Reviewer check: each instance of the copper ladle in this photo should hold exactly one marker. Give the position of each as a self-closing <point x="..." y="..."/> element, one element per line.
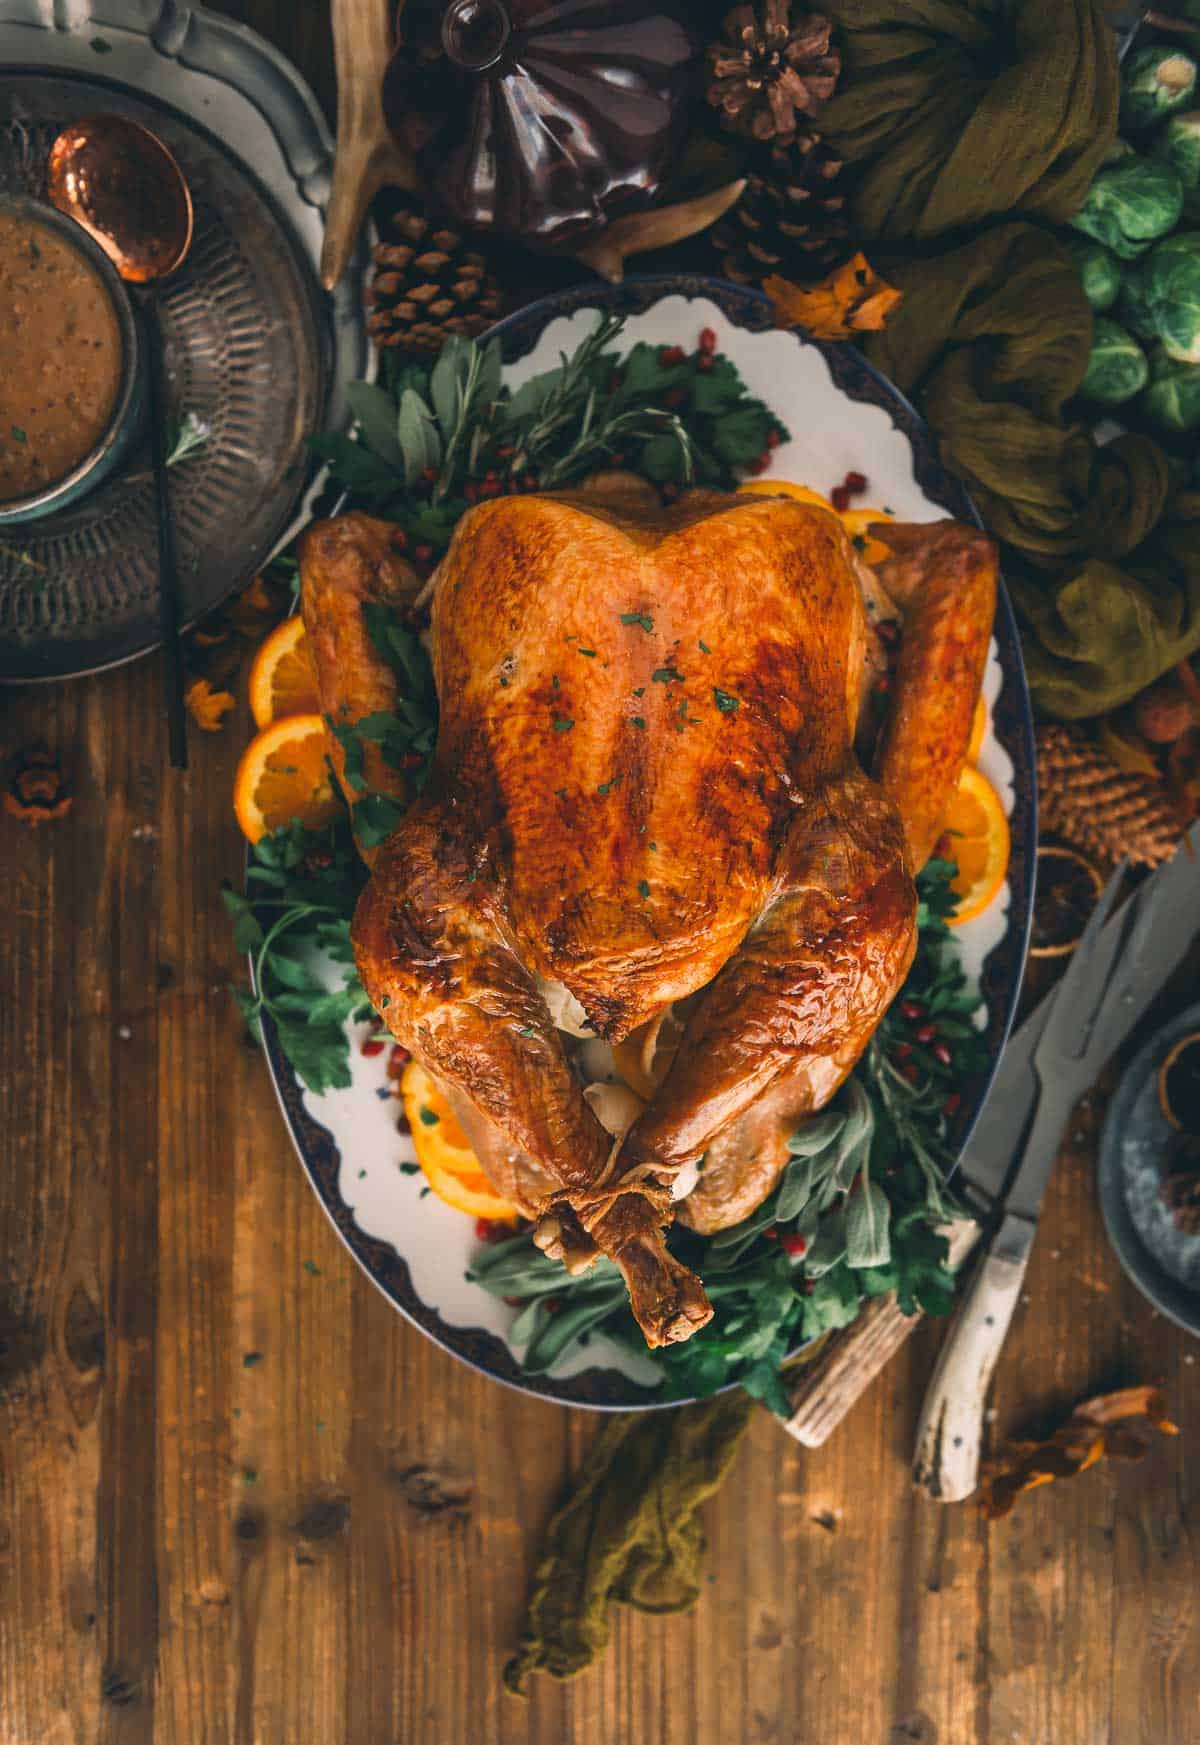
<point x="121" y="184"/>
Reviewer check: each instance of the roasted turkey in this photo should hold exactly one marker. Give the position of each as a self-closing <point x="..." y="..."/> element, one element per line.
<point x="648" y="797"/>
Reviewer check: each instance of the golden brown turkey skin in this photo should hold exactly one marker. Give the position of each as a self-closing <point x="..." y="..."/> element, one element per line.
<point x="644" y="787"/>
<point x="639" y="724"/>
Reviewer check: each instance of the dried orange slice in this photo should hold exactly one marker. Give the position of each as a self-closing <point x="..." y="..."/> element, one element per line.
<point x="283" y="680"/>
<point x="975" y="835"/>
<point x="284" y="775"/>
<point x="979" y="727"/>
<point x="446" y="1159"/>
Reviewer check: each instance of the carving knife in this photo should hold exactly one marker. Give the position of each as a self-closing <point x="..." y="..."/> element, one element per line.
<point x="1118" y="967"/>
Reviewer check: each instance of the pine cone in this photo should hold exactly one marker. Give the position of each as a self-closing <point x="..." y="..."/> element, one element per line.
<point x="1099" y="808"/>
<point x="790" y="219"/>
<point x="768" y="68"/>
<point x="427" y="284"/>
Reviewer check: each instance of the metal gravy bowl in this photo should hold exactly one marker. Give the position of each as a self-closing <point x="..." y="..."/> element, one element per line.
<point x="126" y="419"/>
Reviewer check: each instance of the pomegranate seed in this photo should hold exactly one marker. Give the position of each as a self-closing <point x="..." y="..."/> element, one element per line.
<point x="912" y="1010"/>
<point x="855" y="483"/>
<point x="399" y="1058"/>
<point x="399" y="539"/>
<point x="707" y="340"/>
<point x="840" y="498"/>
<point x="926" y="1033"/>
<point x="430" y="475"/>
<point x="952" y="1104"/>
<point x="671" y="354"/>
<point x="372" y="1046"/>
<point x="761" y="464"/>
<point x="704" y="362"/>
<point x="675" y="397"/>
<point x="770" y="1234"/>
<point x="902" y="1050"/>
<point x="909" y="1069"/>
<point x="490" y="488"/>
<point x="794" y="1244"/>
<point x="489" y="1230"/>
<point x="422" y="552"/>
<point x="618" y="457"/>
<point x="772" y="438"/>
<point x="941" y="1051"/>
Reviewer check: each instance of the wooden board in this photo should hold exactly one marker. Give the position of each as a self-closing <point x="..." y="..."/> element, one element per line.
<point x="242" y="1501"/>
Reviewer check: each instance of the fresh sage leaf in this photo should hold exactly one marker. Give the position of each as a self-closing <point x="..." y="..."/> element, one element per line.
<point x="375" y="411"/>
<point x="867" y="1217"/>
<point x="418" y="436"/>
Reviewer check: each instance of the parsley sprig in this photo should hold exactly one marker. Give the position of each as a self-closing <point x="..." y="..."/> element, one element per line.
<point x="294" y="921"/>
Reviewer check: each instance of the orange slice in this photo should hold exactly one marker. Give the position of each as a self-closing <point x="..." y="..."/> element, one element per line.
<point x="446" y="1159"/>
<point x="975" y="835"/>
<point x="284" y="775"/>
<point x="785" y="488"/>
<point x="855" y="521"/>
<point x="979" y="727"/>
<point x="283" y="680"/>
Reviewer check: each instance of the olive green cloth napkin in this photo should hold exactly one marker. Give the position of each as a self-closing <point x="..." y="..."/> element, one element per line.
<point x="629" y="1530"/>
<point x="955" y="112"/>
<point x="955" y="115"/>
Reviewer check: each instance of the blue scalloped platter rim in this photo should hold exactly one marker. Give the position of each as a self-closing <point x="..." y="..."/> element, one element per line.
<point x="608" y="1389"/>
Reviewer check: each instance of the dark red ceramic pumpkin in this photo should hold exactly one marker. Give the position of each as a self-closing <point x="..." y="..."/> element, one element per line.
<point x="540" y="118"/>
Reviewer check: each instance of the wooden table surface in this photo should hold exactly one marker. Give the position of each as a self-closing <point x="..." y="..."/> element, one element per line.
<point x="330" y="1545"/>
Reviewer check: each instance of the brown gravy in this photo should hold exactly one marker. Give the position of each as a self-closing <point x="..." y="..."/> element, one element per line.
<point x="61" y="357"/>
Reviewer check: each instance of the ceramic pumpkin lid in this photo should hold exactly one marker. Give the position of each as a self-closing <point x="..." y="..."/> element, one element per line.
<point x="540" y="119"/>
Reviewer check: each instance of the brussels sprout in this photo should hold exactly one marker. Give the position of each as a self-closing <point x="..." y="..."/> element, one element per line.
<point x="1171" y="401"/>
<point x="1099" y="270"/>
<point x="1133" y="306"/>
<point x="1117" y="365"/>
<point x="1129" y="206"/>
<point x="1169" y="285"/>
<point x="1157" y="81"/>
<point x="1179" y="145"/>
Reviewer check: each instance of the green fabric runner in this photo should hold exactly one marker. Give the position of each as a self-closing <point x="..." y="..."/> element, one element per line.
<point x="954" y="116"/>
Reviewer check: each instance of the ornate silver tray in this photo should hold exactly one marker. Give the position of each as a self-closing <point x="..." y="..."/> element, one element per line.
<point x="255" y="349"/>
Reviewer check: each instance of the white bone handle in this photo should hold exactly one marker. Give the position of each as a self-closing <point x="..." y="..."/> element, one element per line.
<point x="950" y="1431"/>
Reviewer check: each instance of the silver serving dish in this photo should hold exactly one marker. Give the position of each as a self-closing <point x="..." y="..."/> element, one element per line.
<point x="255" y="349"/>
